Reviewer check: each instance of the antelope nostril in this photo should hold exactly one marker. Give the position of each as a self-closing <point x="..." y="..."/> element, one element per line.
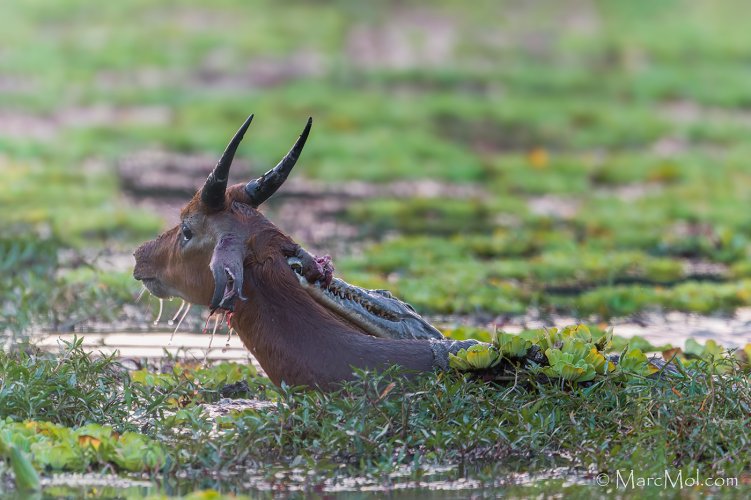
<point x="140" y="274"/>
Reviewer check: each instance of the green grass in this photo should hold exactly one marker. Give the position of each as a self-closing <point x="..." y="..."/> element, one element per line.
<point x="27" y="266"/>
<point x="41" y="291"/>
<point x="383" y="423"/>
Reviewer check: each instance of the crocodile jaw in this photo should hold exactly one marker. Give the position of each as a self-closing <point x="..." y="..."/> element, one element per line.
<point x="377" y="312"/>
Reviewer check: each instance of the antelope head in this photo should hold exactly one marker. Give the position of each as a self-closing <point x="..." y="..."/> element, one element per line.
<point x="202" y="260"/>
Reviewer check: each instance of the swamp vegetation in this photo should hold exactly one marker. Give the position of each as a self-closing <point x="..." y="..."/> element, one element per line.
<point x="381" y="430"/>
<point x="587" y="159"/>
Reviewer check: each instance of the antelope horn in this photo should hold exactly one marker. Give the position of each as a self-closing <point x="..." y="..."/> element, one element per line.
<point x="212" y="194"/>
<point x="259" y="190"/>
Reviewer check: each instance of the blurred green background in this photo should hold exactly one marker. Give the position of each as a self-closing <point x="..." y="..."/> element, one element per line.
<point x="573" y="157"/>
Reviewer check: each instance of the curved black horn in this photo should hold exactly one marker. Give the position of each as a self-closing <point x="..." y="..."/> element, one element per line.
<point x="212" y="194"/>
<point x="259" y="190"/>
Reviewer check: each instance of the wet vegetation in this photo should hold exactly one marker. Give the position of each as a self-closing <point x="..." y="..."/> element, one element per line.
<point x="381" y="430"/>
<point x="591" y="160"/>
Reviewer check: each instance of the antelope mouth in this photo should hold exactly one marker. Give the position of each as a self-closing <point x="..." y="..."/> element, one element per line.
<point x="156" y="288"/>
<point x="377" y="312"/>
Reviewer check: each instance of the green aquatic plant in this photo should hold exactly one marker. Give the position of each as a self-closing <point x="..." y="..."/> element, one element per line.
<point x="566" y="366"/>
<point x="136" y="452"/>
<point x="576" y="361"/>
<point x="600" y="363"/>
<point x="571" y="353"/>
<point x="513" y="346"/>
<point x="577" y="346"/>
<point x="60" y="448"/>
<point x="635" y="362"/>
<point x="743" y="356"/>
<point x="695" y="350"/>
<point x="554" y="337"/>
<point x="476" y="357"/>
<point x="574" y="355"/>
<point x="27" y="478"/>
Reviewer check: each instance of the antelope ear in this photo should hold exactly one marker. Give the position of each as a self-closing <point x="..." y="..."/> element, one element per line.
<point x="227" y="267"/>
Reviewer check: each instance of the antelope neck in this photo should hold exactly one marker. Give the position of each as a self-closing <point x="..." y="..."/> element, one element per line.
<point x="299" y="342"/>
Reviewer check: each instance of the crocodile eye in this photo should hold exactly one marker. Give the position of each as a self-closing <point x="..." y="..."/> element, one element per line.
<point x="186" y="233"/>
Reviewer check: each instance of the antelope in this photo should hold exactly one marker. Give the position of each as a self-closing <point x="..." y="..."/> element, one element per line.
<point x="303" y="325"/>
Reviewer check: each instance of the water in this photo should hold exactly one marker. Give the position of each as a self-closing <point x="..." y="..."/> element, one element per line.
<point x="442" y="482"/>
<point x="499" y="479"/>
<point x="671" y="328"/>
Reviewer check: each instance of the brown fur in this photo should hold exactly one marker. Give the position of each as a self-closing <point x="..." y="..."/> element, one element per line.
<point x="296" y="340"/>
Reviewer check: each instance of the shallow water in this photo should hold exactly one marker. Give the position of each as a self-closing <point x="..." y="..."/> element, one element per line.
<point x="669" y="328"/>
<point x="436" y="482"/>
<point x="499" y="479"/>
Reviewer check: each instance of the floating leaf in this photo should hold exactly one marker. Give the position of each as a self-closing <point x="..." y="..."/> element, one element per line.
<point x="53" y="431"/>
<point x="205" y="495"/>
<point x="458" y="361"/>
<point x="744" y="356"/>
<point x="563" y="365"/>
<point x="669" y="354"/>
<point x="579" y="349"/>
<point x="712" y="349"/>
<point x="599" y="362"/>
<point x="135" y="452"/>
<point x="546" y="339"/>
<point x="513" y="346"/>
<point x="476" y="357"/>
<point x="580" y="332"/>
<point x="85" y="441"/>
<point x="59" y="455"/>
<point x="480" y="356"/>
<point x="580" y="372"/>
<point x="27" y="478"/>
<point x="693" y="348"/>
<point x="635" y="361"/>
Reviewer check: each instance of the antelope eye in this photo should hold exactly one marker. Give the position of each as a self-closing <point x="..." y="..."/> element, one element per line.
<point x="186" y="232"/>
